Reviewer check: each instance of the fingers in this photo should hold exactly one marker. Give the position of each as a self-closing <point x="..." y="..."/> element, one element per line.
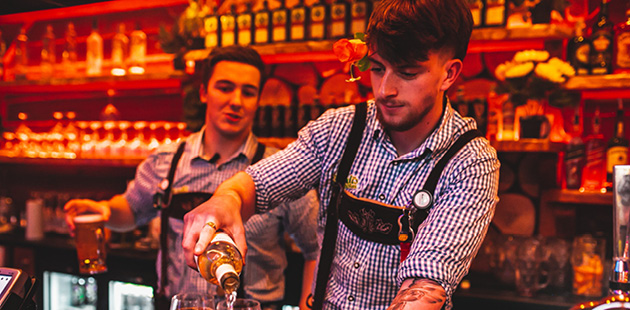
<point x="205" y="236"/>
<point x="76" y="207"/>
<point x="192" y="230"/>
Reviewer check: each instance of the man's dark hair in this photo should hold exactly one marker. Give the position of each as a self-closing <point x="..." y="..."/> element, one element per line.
<point x="236" y="53"/>
<point x="404" y="31"/>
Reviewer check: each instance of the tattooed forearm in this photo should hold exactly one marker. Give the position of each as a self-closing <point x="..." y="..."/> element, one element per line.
<point x="419" y="294"/>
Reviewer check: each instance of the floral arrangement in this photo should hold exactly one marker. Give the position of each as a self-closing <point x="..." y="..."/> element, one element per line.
<point x="354" y="53"/>
<point x="531" y="74"/>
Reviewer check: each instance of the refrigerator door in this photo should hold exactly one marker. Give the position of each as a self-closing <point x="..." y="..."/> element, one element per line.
<point x="130" y="296"/>
<point x="64" y="291"/>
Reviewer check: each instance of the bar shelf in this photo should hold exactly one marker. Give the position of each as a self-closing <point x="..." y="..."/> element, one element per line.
<point x="528" y="145"/>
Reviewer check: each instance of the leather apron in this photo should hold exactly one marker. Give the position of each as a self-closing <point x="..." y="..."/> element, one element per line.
<point x="176" y="206"/>
<point x="372" y="220"/>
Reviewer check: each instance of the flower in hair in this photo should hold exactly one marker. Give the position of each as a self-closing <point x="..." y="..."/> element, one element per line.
<point x="354" y="52"/>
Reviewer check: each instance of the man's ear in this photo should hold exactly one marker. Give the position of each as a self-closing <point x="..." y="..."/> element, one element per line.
<point x="452" y="69"/>
<point x="202" y="93"/>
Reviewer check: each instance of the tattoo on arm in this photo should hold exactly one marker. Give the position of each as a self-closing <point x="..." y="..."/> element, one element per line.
<point x="421" y="292"/>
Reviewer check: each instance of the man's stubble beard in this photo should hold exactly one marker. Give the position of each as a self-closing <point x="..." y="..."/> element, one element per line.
<point x="406" y="123"/>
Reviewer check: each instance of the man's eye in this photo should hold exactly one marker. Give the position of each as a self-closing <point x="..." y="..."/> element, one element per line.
<point x="376" y="69"/>
<point x="408" y="75"/>
<point x="225" y="89"/>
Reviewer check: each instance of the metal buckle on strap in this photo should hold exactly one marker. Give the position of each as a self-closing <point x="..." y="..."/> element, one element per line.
<point x="405" y="232"/>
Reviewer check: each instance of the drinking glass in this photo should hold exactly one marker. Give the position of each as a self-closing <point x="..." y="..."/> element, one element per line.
<point x="192" y="301"/>
<point x="90" y="243"/>
<point x="240" y="304"/>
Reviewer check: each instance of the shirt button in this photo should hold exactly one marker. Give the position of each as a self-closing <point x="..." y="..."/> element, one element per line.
<point x="350" y="298"/>
<point x="381" y="197"/>
<point x="395" y="163"/>
<point x="357" y="265"/>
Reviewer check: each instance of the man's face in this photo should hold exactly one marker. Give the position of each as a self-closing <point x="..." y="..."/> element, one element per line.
<point x="232" y="98"/>
<point x="409" y="96"/>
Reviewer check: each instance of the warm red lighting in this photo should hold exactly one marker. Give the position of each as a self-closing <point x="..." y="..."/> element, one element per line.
<point x="22" y="116"/>
<point x="118" y="72"/>
<point x="136" y="70"/>
<point x="57" y="115"/>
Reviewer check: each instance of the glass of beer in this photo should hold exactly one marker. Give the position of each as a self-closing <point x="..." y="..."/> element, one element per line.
<point x="240" y="304"/>
<point x="192" y="301"/>
<point x="90" y="240"/>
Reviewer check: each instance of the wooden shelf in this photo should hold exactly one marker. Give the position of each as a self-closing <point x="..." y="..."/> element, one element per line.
<point x="528" y="145"/>
<point x="609" y="86"/>
<point x="570" y="196"/>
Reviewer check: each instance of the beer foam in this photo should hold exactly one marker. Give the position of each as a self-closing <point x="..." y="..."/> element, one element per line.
<point x="88" y="218"/>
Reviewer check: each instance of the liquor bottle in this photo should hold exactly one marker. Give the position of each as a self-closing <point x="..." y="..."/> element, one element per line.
<point x="578" y="50"/>
<point x="21" y="55"/>
<point x="594" y="173"/>
<point x="280" y="23"/>
<point x="299" y="22"/>
<point x="69" y="55"/>
<point x="339" y="19"/>
<point x="319" y="20"/>
<point x="137" y="50"/>
<point x="221" y="263"/>
<point x="120" y="48"/>
<point x="622" y="45"/>
<point x="262" y="25"/>
<point x="574" y="159"/>
<point x="476" y="9"/>
<point x="228" y="27"/>
<point x="360" y="13"/>
<point x="617" y="151"/>
<point x="245" y="26"/>
<point x="94" y="57"/>
<point x="496" y="13"/>
<point x="212" y="26"/>
<point x="601" y="42"/>
<point x="48" y="52"/>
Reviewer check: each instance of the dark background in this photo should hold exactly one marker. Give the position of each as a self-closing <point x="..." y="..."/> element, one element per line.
<point x="18" y="6"/>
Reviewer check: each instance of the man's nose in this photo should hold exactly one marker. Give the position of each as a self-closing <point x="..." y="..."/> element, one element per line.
<point x="388" y="86"/>
<point x="237" y="98"/>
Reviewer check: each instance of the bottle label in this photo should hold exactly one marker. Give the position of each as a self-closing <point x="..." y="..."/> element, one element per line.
<point x="601" y="42"/>
<point x="475" y="10"/>
<point x="261" y="22"/>
<point x="298" y="28"/>
<point x="318" y="14"/>
<point x="359" y="20"/>
<point x="211" y="26"/>
<point x="623" y="50"/>
<point x="224" y="269"/>
<point x="279" y="33"/>
<point x="227" y="30"/>
<point x="222" y="237"/>
<point x="495" y="13"/>
<point x="338" y="20"/>
<point x="616" y="155"/>
<point x="244" y="29"/>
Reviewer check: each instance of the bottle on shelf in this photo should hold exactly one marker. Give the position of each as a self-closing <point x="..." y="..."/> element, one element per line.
<point x="495" y="116"/>
<point x="228" y="27"/>
<point x="622" y="45"/>
<point x="574" y="159"/>
<point x="21" y="55"/>
<point x="594" y="172"/>
<point x="299" y="22"/>
<point x="339" y="19"/>
<point x="137" y="50"/>
<point x="360" y="13"/>
<point x="617" y="151"/>
<point x="318" y="20"/>
<point x="280" y="23"/>
<point x="262" y="25"/>
<point x="221" y="263"/>
<point x="245" y="26"/>
<point x="578" y="50"/>
<point x="496" y="13"/>
<point x="120" y="49"/>
<point x="477" y="10"/>
<point x="69" y="55"/>
<point x="94" y="57"/>
<point x="48" y="52"/>
<point x="212" y="26"/>
<point x="601" y="42"/>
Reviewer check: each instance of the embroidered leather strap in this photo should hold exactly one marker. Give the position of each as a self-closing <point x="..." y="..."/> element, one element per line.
<point x="330" y="233"/>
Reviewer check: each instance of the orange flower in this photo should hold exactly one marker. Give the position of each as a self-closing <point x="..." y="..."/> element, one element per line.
<point x="350" y="50"/>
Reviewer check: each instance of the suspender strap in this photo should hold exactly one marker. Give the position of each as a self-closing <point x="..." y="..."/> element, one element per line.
<point x="330" y="233"/>
<point x="164" y="216"/>
<point x="436" y="173"/>
<point x="260" y="151"/>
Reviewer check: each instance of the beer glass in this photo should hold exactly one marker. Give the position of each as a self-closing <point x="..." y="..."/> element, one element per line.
<point x="192" y="301"/>
<point x="90" y="240"/>
<point x="240" y="304"/>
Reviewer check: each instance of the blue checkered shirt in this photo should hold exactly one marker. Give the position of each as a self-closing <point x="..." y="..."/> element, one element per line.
<point x="364" y="274"/>
<point x="263" y="273"/>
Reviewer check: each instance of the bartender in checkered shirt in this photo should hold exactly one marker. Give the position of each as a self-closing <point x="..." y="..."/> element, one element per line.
<point x="416" y="48"/>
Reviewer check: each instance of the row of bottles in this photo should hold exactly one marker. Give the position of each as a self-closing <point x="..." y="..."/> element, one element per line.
<point x="128" y="54"/>
<point x="602" y="49"/>
<point x="489" y="13"/>
<point x="319" y="21"/>
<point x="589" y="162"/>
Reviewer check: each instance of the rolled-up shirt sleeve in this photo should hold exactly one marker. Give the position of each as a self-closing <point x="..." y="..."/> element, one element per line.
<point x="452" y="234"/>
